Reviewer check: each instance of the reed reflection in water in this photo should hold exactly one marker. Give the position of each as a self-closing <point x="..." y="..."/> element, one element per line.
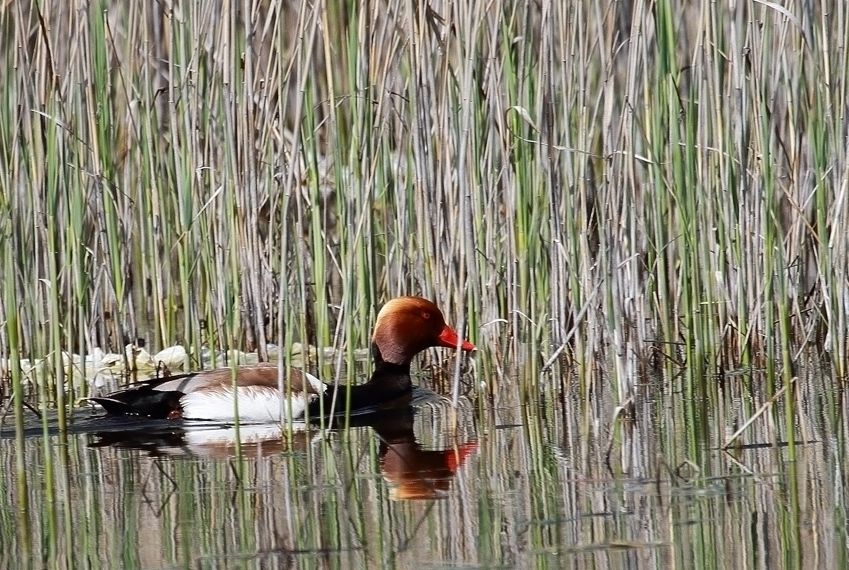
<point x="518" y="486"/>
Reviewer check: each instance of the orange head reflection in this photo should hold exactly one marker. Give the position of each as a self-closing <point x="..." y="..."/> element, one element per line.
<point x="411" y="471"/>
<point x="414" y="473"/>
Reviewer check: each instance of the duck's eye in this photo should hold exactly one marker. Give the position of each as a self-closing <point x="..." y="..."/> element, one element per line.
<point x="425" y="315"/>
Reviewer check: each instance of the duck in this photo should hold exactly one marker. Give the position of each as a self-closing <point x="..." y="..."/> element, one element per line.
<point x="405" y="326"/>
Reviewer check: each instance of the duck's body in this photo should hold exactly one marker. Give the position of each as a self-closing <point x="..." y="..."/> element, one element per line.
<point x="405" y="326"/>
<point x="209" y="395"/>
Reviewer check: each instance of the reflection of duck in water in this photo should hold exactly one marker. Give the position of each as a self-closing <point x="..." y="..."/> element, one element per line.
<point x="200" y="439"/>
<point x="411" y="471"/>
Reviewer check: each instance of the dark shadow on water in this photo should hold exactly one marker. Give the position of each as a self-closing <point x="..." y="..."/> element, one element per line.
<point x="85" y="422"/>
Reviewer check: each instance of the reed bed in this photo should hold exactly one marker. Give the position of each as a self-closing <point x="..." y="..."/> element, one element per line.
<point x="589" y="185"/>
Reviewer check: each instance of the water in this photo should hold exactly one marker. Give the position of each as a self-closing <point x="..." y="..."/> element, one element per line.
<point x="556" y="482"/>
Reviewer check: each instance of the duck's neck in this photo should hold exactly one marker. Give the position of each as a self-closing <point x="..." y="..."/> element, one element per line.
<point x="388" y="382"/>
<point x="389" y="376"/>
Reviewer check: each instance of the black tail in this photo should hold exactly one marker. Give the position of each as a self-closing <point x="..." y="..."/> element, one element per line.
<point x="113" y="406"/>
<point x="142" y="401"/>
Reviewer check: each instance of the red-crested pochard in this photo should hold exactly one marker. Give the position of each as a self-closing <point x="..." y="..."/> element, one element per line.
<point x="405" y="326"/>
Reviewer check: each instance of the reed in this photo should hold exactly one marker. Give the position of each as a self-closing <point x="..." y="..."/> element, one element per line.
<point x="658" y="183"/>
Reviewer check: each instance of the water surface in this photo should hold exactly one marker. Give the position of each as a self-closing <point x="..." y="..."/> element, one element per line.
<point x="564" y="481"/>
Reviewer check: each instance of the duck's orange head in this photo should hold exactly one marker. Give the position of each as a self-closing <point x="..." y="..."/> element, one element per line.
<point x="407" y="325"/>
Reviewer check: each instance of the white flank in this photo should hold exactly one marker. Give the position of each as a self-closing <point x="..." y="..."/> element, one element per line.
<point x="257" y="404"/>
